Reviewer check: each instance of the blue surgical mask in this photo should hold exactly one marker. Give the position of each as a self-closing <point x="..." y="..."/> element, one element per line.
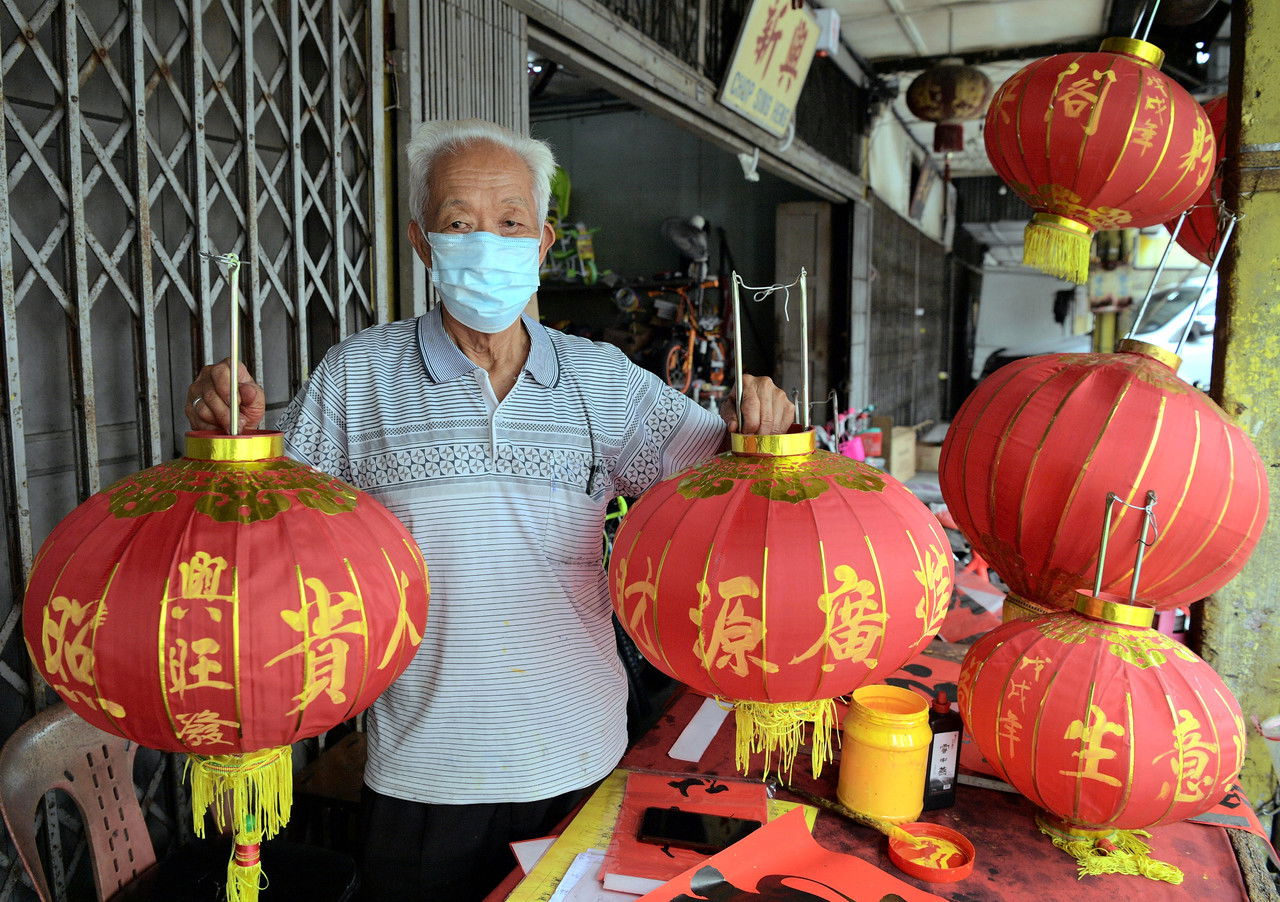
<point x="484" y="279"/>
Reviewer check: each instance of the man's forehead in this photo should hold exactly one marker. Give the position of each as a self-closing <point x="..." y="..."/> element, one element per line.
<point x="484" y="165"/>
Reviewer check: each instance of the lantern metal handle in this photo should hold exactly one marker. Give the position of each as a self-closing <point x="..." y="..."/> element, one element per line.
<point x="1217" y="258"/>
<point x="1148" y="520"/>
<point x="233" y="279"/>
<point x="803" y="402"/>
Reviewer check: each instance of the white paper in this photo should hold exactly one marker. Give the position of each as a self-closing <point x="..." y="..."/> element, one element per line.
<point x="694" y="739"/>
<point x="530" y="851"/>
<point x="580" y="882"/>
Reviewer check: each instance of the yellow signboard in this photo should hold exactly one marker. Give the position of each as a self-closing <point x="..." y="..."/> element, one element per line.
<point x="770" y="64"/>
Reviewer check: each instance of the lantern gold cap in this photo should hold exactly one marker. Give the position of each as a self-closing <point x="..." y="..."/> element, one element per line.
<point x="786" y="444"/>
<point x="217" y="446"/>
<point x="1142" y="51"/>
<point x="1146" y="349"/>
<point x="1114" y="609"/>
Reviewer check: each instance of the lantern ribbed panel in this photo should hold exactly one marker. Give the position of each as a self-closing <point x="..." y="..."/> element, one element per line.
<point x="1200" y="234"/>
<point x="1104" y="726"/>
<point x="219" y="608"/>
<point x="1102" y="140"/>
<point x="1033" y="452"/>
<point x="780" y="579"/>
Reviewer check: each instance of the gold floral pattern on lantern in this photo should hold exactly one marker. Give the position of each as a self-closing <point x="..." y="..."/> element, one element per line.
<point x="1141" y="648"/>
<point x="245" y="493"/>
<point x="790" y="479"/>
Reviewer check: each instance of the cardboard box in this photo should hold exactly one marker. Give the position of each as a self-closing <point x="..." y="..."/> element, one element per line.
<point x="899" y="448"/>
<point x="927" y="456"/>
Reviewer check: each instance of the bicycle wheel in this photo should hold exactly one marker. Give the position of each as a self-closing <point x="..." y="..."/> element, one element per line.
<point x="678" y="370"/>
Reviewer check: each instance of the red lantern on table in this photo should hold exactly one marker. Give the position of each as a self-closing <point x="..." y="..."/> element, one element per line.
<point x="949" y="94"/>
<point x="225" y="605"/>
<point x="1035" y="446"/>
<point x="1201" y="231"/>
<point x="1108" y="725"/>
<point x="780" y="577"/>
<point x="1096" y="141"/>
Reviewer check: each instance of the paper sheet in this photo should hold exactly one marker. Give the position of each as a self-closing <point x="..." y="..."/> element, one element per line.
<point x="703" y="726"/>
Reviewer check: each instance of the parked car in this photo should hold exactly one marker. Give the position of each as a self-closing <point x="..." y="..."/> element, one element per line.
<point x="1164" y="323"/>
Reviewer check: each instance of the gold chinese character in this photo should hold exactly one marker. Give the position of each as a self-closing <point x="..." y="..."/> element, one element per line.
<point x="933" y="576"/>
<point x="203" y="728"/>
<point x="66" y="626"/>
<point x="404" y="623"/>
<point x="1037" y="663"/>
<point x="1145" y="134"/>
<point x="639" y="594"/>
<point x="321" y="622"/>
<point x="734" y="635"/>
<point x="1010" y="93"/>
<point x="1009" y="728"/>
<point x="201" y="672"/>
<point x="202" y="576"/>
<point x="1188" y="759"/>
<point x="1094" y="753"/>
<point x="855" y="621"/>
<point x="1200" y="151"/>
<point x="1019" y="691"/>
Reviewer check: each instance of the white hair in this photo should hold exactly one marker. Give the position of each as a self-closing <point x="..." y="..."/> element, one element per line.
<point x="431" y="139"/>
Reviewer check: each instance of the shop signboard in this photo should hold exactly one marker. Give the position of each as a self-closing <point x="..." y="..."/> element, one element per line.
<point x="770" y="63"/>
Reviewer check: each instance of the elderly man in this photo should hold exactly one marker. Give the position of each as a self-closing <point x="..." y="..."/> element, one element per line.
<point x="499" y="443"/>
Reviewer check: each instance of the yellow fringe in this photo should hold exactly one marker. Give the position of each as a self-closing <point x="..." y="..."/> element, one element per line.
<point x="244" y="881"/>
<point x="1118" y="852"/>
<point x="1057" y="251"/>
<point x="259" y="786"/>
<point x="779" y="727"/>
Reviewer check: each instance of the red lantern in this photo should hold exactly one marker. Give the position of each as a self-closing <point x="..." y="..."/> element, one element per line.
<point x="226" y="605"/>
<point x="1201" y="234"/>
<point x="949" y="94"/>
<point x="1033" y="451"/>
<point x="779" y="577"/>
<point x="1105" y="723"/>
<point x="1096" y="141"/>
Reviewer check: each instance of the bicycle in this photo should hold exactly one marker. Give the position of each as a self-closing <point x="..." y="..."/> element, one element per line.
<point x="700" y="351"/>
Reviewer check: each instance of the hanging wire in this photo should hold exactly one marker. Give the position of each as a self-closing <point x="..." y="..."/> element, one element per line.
<point x="1155" y="8"/>
<point x="1142" y="309"/>
<point x="1217" y="258"/>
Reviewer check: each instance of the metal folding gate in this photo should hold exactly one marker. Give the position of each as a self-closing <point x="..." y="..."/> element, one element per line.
<point x="136" y="135"/>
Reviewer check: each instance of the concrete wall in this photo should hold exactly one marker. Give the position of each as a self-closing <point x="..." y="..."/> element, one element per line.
<point x="631" y="170"/>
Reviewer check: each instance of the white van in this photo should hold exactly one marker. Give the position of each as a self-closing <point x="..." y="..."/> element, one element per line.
<point x="1164" y="323"/>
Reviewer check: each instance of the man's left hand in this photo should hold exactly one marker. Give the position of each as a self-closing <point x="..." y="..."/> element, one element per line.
<point x="766" y="409"/>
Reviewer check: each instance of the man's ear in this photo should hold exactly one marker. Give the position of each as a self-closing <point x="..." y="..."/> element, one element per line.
<point x="419" y="242"/>
<point x="548" y="239"/>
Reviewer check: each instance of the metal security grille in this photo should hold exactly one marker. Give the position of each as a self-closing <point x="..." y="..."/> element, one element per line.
<point x="135" y="135"/>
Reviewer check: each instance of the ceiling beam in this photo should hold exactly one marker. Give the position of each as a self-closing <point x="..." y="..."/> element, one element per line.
<point x="995" y="55"/>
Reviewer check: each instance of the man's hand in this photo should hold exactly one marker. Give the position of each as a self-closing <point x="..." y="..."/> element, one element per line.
<point x="209" y="399"/>
<point x="766" y="409"/>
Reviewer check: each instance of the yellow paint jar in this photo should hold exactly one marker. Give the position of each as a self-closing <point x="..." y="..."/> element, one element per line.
<point x="885" y="753"/>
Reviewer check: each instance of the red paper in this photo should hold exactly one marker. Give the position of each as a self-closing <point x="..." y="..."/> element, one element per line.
<point x="629" y="859"/>
<point x="781" y="862"/>
<point x="1235" y="811"/>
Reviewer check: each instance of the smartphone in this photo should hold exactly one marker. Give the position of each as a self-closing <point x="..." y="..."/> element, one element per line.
<point x="707" y="833"/>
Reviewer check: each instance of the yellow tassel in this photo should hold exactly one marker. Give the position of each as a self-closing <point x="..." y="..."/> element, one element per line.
<point x="244" y="871"/>
<point x="258" y="786"/>
<point x="250" y="794"/>
<point x="1058" y="246"/>
<point x="778" y="728"/>
<point x="1110" y="852"/>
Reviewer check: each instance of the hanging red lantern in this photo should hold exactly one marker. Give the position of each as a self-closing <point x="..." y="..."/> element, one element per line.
<point x="226" y="605"/>
<point x="1201" y="231"/>
<point x="949" y="94"/>
<point x="780" y="577"/>
<point x="1039" y="441"/>
<point x="1106" y="724"/>
<point x="1096" y="141"/>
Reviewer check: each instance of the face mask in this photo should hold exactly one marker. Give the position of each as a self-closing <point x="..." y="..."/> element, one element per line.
<point x="485" y="280"/>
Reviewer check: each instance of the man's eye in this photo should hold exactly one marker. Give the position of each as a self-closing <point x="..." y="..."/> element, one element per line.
<point x="457" y="224"/>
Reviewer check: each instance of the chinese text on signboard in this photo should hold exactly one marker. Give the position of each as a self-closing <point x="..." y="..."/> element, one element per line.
<point x="770" y="63"/>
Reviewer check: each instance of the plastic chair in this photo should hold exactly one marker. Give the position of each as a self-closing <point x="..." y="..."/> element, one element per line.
<point x="57" y="749"/>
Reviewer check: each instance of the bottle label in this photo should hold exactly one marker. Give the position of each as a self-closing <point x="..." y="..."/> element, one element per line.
<point x="943" y="759"/>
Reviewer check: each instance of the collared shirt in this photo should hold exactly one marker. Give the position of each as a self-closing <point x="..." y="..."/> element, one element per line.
<point x="516" y="692"/>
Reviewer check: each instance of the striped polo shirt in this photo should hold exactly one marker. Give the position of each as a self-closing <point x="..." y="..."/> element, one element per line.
<point x="516" y="692"/>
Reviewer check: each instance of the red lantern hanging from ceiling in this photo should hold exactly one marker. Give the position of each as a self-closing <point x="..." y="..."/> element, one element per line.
<point x="1035" y="446"/>
<point x="780" y="577"/>
<point x="1201" y="231"/>
<point x="226" y="605"/>
<point x="1096" y="141"/>
<point x="949" y="94"/>
<point x="1106" y="724"/>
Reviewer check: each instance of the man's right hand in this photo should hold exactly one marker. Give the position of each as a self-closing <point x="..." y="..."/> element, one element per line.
<point x="209" y="399"/>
